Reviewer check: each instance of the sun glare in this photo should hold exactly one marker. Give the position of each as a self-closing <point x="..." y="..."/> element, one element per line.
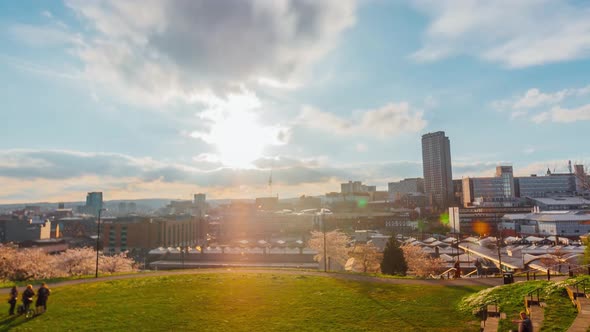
<point x="239" y="139"/>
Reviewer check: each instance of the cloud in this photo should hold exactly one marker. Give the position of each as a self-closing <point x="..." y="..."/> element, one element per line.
<point x="515" y="34"/>
<point x="564" y="115"/>
<point x="154" y="51"/>
<point x="42" y="36"/>
<point x="29" y="175"/>
<point x="533" y="100"/>
<point x="387" y="121"/>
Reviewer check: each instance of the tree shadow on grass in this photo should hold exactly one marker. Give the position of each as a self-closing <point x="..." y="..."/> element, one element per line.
<point x="367" y="289"/>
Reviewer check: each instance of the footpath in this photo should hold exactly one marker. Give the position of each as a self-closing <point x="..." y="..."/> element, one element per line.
<point x="486" y="282"/>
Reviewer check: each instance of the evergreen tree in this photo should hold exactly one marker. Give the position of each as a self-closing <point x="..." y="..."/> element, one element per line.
<point x="393" y="259"/>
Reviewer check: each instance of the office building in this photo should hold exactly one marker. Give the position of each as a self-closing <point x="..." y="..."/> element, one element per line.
<point x="139" y="233"/>
<point x="200" y="199"/>
<point x="559" y="203"/>
<point x="497" y="189"/>
<point x="481" y="220"/>
<point x="406" y="186"/>
<point x="93" y="203"/>
<point x="436" y="164"/>
<point x="356" y="187"/>
<point x="556" y="223"/>
<point x="551" y="184"/>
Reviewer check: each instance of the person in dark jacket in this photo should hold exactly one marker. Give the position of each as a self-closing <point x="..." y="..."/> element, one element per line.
<point x="42" y="295"/>
<point x="12" y="298"/>
<point x="28" y="295"/>
<point x="524" y="323"/>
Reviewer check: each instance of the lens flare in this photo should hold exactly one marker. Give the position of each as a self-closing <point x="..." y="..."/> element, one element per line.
<point x="481" y="227"/>
<point x="362" y="203"/>
<point x="444" y="218"/>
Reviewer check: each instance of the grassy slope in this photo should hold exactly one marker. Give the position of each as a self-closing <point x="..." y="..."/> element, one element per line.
<point x="249" y="302"/>
<point x="559" y="313"/>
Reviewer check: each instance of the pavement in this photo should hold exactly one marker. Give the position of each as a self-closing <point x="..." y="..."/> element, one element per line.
<point x="486" y="282"/>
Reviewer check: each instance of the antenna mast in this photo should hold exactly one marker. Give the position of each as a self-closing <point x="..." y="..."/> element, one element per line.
<point x="270" y="178"/>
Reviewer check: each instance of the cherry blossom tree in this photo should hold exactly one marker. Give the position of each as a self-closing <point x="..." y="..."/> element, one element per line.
<point x="336" y="246"/>
<point x="420" y="263"/>
<point x="78" y="261"/>
<point x="34" y="264"/>
<point x="367" y="259"/>
<point x="116" y="263"/>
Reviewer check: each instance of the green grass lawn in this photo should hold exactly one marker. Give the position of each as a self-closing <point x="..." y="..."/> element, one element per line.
<point x="248" y="302"/>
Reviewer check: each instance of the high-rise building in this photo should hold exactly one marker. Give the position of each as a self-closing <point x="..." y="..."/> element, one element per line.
<point x="93" y="203"/>
<point x="436" y="164"/>
<point x="200" y="199"/>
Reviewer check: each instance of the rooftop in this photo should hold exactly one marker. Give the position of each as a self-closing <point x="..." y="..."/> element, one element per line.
<point x="562" y="200"/>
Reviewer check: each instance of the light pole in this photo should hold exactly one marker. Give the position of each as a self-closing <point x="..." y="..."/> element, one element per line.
<point x="98" y="240"/>
<point x="320" y="216"/>
<point x="324" y="230"/>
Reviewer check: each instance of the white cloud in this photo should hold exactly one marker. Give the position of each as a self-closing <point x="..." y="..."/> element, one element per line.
<point x="151" y="51"/>
<point x="564" y="115"/>
<point x="534" y="99"/>
<point x="513" y="33"/>
<point x="387" y="121"/>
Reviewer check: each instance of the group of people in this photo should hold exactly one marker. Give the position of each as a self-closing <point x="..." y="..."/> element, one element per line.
<point x="27" y="298"/>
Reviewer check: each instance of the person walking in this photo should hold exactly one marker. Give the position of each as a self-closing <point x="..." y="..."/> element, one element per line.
<point x="42" y="296"/>
<point x="524" y="323"/>
<point x="12" y="298"/>
<point x="28" y="295"/>
<point x="477" y="264"/>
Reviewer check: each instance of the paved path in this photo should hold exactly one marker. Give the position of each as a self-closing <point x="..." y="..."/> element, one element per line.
<point x="486" y="282"/>
<point x="537" y="316"/>
<point x="582" y="321"/>
<point x="491" y="324"/>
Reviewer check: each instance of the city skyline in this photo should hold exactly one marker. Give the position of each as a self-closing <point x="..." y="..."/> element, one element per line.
<point x="167" y="103"/>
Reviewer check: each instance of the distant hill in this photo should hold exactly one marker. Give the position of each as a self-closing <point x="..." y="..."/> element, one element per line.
<point x="146" y="203"/>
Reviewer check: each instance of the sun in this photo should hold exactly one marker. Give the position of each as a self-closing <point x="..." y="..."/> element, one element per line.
<point x="239" y="139"/>
<point x="235" y="132"/>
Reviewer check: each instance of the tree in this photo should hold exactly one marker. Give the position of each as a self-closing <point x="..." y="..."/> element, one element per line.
<point x="336" y="246"/>
<point x="420" y="263"/>
<point x="393" y="259"/>
<point x="33" y="264"/>
<point x="366" y="258"/>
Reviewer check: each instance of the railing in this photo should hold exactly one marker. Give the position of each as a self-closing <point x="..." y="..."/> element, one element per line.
<point x="577" y="285"/>
<point x="484" y="313"/>
<point x="441" y="275"/>
<point x="530" y="298"/>
<point x="470" y="273"/>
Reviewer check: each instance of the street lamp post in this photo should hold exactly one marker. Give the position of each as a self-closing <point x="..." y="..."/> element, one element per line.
<point x="325" y="251"/>
<point x="97" y="240"/>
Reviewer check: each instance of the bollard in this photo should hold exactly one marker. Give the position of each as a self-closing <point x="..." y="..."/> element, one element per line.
<point x="527" y="276"/>
<point x="535" y="276"/>
<point x="548" y="274"/>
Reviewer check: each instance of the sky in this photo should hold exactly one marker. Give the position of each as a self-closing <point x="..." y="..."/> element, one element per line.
<point x="150" y="98"/>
